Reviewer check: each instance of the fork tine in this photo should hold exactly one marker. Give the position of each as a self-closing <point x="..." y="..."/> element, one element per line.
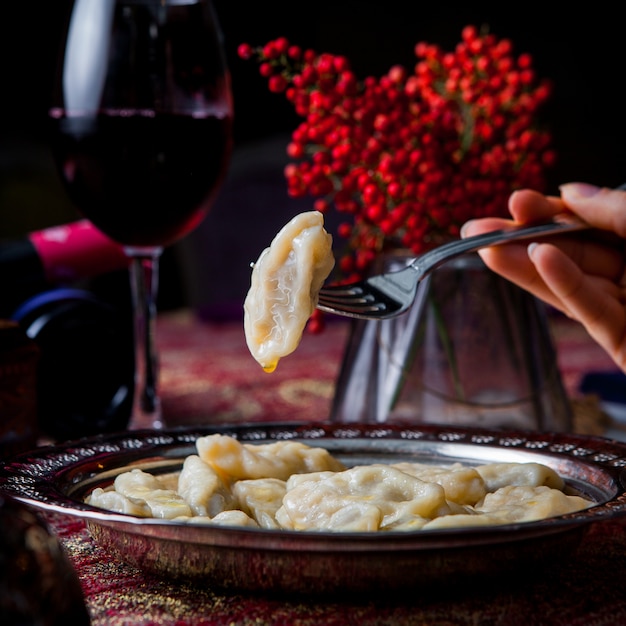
<point x="352" y="308"/>
<point x="368" y="302"/>
<point x="342" y="290"/>
<point x="354" y="298"/>
<point x="356" y="301"/>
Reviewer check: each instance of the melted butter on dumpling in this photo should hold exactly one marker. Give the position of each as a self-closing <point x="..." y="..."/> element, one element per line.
<point x="284" y="288"/>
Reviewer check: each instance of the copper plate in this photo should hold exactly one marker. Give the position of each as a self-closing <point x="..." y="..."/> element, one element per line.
<point x="58" y="478"/>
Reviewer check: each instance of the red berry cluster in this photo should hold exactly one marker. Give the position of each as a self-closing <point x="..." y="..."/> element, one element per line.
<point x="409" y="157"/>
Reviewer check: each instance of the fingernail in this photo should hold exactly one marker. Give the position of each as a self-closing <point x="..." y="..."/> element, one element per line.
<point x="464" y="228"/>
<point x="531" y="249"/>
<point x="582" y="190"/>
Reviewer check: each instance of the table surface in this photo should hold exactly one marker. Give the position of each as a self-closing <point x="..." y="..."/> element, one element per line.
<point x="208" y="376"/>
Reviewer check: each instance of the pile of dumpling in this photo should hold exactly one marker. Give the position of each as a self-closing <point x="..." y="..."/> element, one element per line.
<point x="289" y="485"/>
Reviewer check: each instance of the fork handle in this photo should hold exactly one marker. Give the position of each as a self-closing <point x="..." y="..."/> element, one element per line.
<point x="561" y="223"/>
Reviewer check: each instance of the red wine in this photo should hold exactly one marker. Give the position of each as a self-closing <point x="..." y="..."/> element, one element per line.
<point x="143" y="178"/>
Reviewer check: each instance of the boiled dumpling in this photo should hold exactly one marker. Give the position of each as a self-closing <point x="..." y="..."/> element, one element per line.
<point x="243" y="461"/>
<point x="284" y="288"/>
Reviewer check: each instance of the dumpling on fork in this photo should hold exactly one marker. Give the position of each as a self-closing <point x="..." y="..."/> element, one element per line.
<point x="284" y="288"/>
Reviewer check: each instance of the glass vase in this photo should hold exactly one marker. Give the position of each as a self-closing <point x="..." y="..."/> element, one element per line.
<point x="473" y="350"/>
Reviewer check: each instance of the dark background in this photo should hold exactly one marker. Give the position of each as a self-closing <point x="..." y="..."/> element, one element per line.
<point x="583" y="53"/>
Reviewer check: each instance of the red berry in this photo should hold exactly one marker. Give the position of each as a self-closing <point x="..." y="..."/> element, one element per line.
<point x="245" y="51"/>
<point x="277" y="84"/>
<point x="412" y="154"/>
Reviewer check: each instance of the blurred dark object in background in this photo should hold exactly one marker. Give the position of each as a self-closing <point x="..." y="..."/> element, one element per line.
<point x="86" y="368"/>
<point x="38" y="585"/>
<point x="66" y="353"/>
<point x="19" y="359"/>
<point x="609" y="387"/>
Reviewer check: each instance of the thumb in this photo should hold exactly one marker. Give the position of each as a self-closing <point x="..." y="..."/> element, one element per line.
<point x="601" y="207"/>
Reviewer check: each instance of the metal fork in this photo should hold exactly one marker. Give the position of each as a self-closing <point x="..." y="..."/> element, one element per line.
<point x="388" y="295"/>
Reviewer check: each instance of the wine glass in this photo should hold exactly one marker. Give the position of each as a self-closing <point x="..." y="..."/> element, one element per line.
<point x="141" y="132"/>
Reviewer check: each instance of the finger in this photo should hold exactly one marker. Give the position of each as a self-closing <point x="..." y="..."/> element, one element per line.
<point x="596" y="252"/>
<point x="601" y="257"/>
<point x="526" y="205"/>
<point x="595" y="302"/>
<point x="601" y="207"/>
<point x="485" y="225"/>
<point x="603" y="264"/>
<point x="513" y="263"/>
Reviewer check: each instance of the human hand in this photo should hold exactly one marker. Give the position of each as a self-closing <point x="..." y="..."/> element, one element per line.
<point x="583" y="274"/>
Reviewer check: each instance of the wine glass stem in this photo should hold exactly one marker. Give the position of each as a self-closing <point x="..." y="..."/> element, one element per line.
<point x="144" y="276"/>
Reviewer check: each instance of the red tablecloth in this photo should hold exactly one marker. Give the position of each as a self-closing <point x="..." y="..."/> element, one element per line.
<point x="587" y="590"/>
<point x="207" y="377"/>
<point x="208" y="374"/>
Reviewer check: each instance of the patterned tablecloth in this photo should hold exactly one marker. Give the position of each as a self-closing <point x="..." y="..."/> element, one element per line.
<point x="209" y="377"/>
<point x="208" y="374"/>
<point x="586" y="590"/>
